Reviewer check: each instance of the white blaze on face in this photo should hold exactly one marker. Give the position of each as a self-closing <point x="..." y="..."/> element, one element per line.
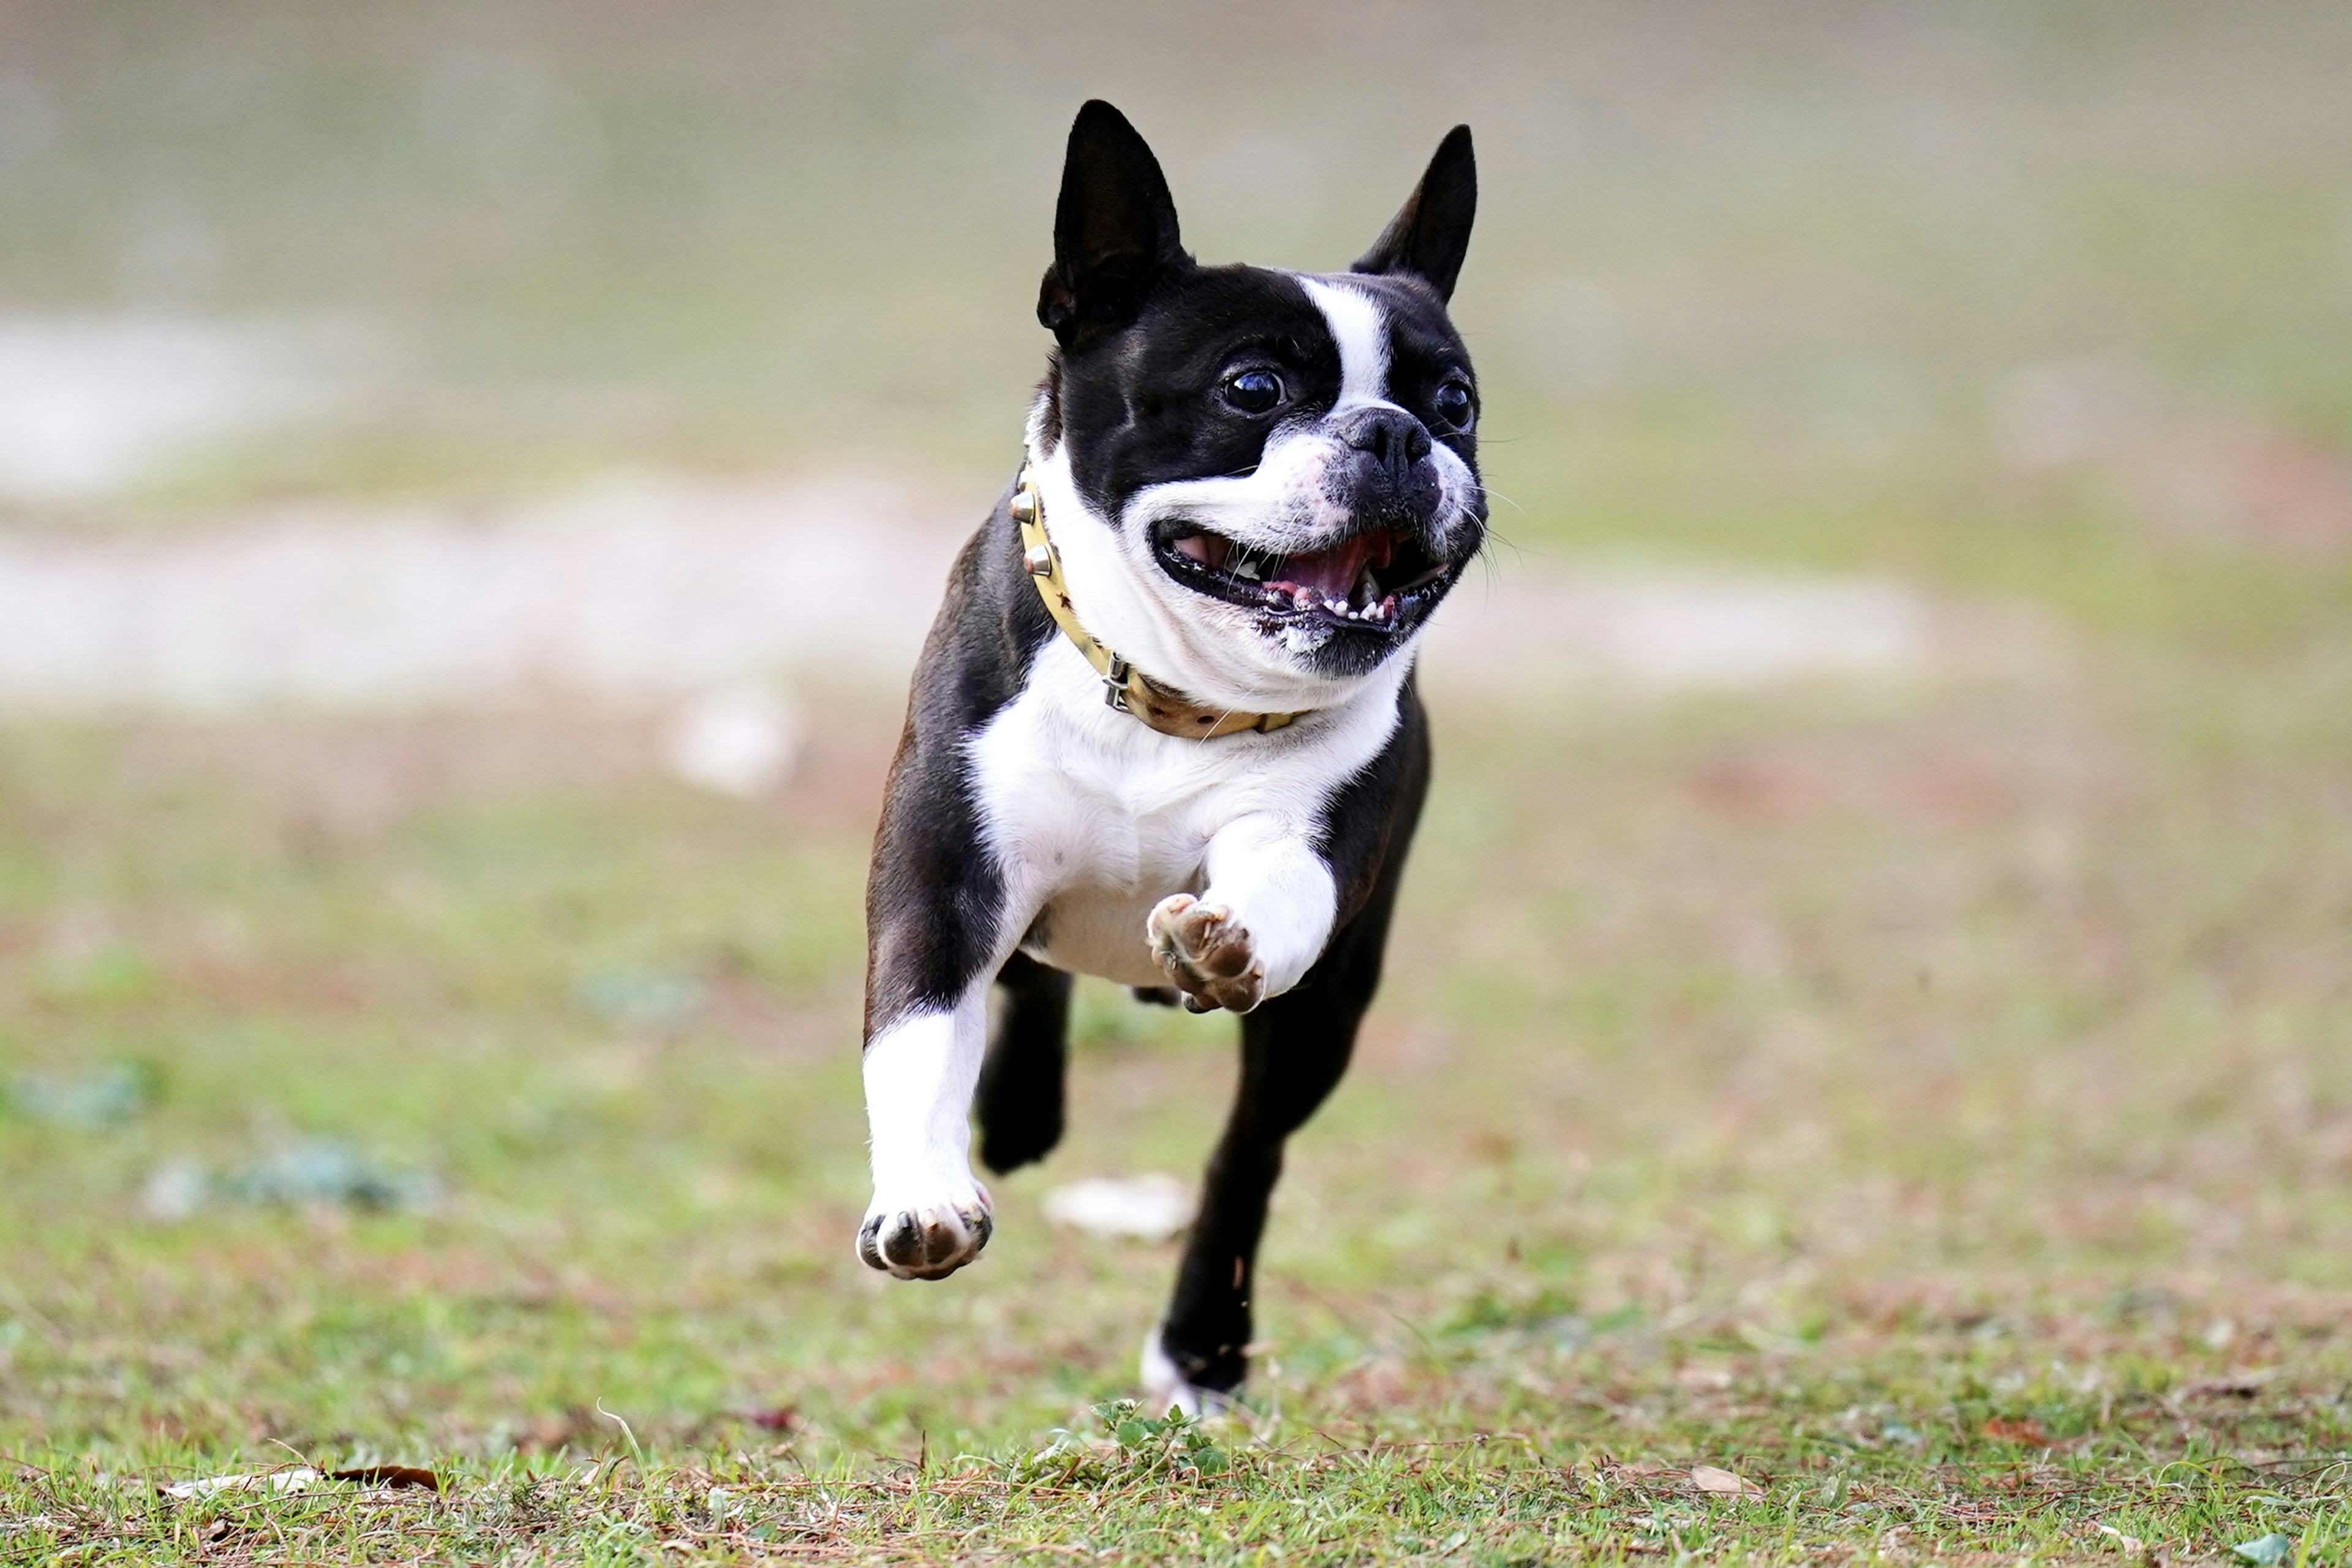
<point x="1362" y="330"/>
<point x="1214" y="651"/>
<point x="1361" y="327"/>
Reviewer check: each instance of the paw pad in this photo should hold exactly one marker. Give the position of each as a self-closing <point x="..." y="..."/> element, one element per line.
<point x="1207" y="952"/>
<point x="927" y="1241"/>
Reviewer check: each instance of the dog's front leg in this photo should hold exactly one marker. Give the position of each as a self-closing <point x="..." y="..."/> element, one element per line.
<point x="1259" y="925"/>
<point x="939" y="920"/>
<point x="929" y="1215"/>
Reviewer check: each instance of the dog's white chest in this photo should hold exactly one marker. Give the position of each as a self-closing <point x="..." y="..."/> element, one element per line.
<point x="1093" y="818"/>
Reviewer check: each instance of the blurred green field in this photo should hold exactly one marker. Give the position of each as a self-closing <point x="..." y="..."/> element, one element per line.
<point x="1929" y="1100"/>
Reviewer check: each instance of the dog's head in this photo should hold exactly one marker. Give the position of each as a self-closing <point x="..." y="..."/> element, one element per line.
<point x="1274" y="475"/>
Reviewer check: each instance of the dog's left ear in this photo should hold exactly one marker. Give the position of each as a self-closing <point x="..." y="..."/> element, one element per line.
<point x="1114" y="230"/>
<point x="1430" y="234"/>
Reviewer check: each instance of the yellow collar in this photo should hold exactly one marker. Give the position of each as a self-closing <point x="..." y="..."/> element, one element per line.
<point x="1125" y="688"/>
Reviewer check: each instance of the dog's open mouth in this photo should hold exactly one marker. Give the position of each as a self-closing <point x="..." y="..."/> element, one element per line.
<point x="1380" y="580"/>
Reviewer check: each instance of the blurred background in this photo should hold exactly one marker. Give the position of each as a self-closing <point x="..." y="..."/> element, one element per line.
<point x="472" y="478"/>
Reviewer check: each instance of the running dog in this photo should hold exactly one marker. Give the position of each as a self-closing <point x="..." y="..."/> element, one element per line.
<point x="1164" y="729"/>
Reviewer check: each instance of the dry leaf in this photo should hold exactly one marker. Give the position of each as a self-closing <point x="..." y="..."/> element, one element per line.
<point x="2017" y="1429"/>
<point x="1708" y="1479"/>
<point x="2130" y="1545"/>
<point x="389" y="1476"/>
<point x="2238" y="1384"/>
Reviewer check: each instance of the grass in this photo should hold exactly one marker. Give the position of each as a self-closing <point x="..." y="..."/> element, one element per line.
<point x="1935" y="1108"/>
<point x="1931" y="1104"/>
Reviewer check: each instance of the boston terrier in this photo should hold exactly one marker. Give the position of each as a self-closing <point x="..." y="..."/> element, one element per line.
<point x="1164" y="730"/>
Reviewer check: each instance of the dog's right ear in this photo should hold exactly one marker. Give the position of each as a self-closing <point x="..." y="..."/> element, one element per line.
<point x="1114" y="230"/>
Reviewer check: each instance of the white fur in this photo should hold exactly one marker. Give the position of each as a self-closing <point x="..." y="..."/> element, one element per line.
<point x="917" y="1071"/>
<point x="1094" y="818"/>
<point x="1207" y="648"/>
<point x="1362" y="330"/>
<point x="1165" y="1388"/>
<point x="920" y="1076"/>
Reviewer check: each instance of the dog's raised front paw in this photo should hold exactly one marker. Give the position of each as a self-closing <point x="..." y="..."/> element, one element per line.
<point x="927" y="1239"/>
<point x="1207" y="952"/>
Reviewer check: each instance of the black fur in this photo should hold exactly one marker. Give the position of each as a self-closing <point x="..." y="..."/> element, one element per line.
<point x="1138" y="405"/>
<point x="1115" y="231"/>
<point x="1430" y="234"/>
<point x="933" y="894"/>
<point x="1146" y="338"/>
<point x="1294" y="1049"/>
<point x="1019" y="1102"/>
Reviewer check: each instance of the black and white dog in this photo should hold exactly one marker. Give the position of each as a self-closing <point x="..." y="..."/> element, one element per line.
<point x="1164" y="730"/>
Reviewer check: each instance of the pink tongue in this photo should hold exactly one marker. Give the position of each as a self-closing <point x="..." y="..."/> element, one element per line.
<point x="1331" y="572"/>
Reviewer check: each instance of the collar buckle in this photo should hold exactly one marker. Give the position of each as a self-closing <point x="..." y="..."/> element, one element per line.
<point x="1114" y="681"/>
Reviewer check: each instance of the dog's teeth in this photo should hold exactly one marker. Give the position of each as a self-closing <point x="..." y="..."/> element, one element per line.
<point x="1305" y="598"/>
<point x="1246" y="570"/>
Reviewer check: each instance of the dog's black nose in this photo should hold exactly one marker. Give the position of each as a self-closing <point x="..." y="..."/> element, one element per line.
<point x="1395" y="439"/>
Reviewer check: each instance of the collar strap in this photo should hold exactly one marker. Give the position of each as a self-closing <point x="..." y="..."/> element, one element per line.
<point x="1125" y="688"/>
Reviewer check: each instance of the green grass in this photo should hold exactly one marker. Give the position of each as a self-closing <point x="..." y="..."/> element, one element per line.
<point x="1795" y="1087"/>
<point x="1932" y="1104"/>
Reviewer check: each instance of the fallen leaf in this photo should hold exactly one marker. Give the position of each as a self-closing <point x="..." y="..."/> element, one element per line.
<point x="775" y="1418"/>
<point x="2266" y="1550"/>
<point x="1708" y="1479"/>
<point x="2131" y="1545"/>
<point x="2237" y="1384"/>
<point x="2023" y="1429"/>
<point x="389" y="1476"/>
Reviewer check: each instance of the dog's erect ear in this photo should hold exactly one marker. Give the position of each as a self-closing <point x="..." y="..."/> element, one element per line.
<point x="1114" y="230"/>
<point x="1430" y="234"/>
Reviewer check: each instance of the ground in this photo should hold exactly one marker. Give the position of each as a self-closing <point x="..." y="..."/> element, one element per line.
<point x="1929" y="1104"/>
<point x="1904" y="1115"/>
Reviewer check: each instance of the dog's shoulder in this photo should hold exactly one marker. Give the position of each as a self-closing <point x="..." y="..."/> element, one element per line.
<point x="982" y="643"/>
<point x="974" y="663"/>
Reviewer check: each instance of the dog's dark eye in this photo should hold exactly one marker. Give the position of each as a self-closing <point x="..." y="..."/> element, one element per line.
<point x="1254" y="391"/>
<point x="1456" y="406"/>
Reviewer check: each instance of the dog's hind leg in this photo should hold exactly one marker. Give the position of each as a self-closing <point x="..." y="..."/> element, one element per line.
<point x="1294" y="1049"/>
<point x="1019" y="1096"/>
